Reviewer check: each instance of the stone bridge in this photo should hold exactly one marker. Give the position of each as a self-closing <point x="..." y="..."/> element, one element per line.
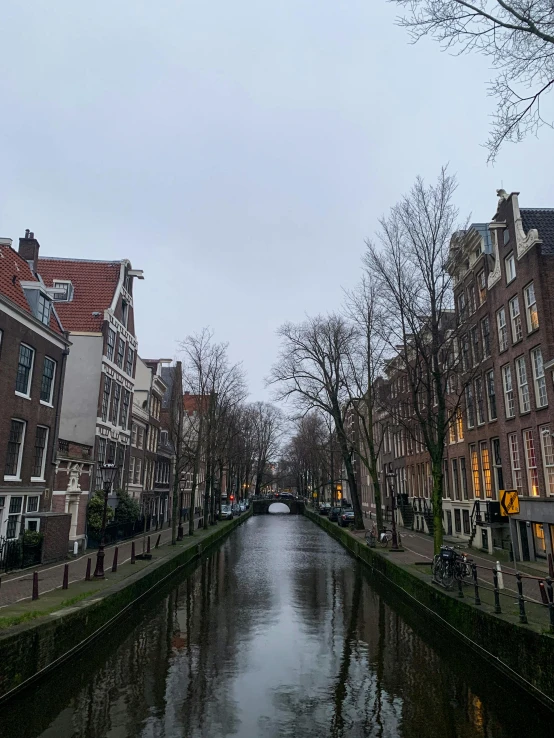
<point x="261" y="506"/>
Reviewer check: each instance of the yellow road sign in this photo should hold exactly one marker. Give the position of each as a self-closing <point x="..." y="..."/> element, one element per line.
<point x="509" y="502"/>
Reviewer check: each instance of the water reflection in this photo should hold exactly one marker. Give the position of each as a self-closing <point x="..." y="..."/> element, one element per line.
<point x="277" y="633"/>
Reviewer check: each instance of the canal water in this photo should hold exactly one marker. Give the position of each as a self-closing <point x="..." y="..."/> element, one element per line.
<point x="277" y="633"/>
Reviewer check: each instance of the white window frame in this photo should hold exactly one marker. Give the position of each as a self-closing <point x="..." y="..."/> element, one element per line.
<point x="68" y="292"/>
<point x="539" y="378"/>
<point x="508" y="387"/>
<point x="45" y="454"/>
<point x="517" y="471"/>
<point x="529" y="307"/>
<point x="32" y="497"/>
<point x="528" y="436"/>
<point x="49" y="402"/>
<point x="522" y="385"/>
<point x="515" y="319"/>
<point x="502" y="329"/>
<point x="547" y="449"/>
<point x="27" y="395"/>
<point x="510" y="267"/>
<point x="17" y="476"/>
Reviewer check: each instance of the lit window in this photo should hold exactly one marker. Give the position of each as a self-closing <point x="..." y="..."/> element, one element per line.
<point x="531" y="308"/>
<point x="515" y="317"/>
<point x="475" y="471"/>
<point x="459" y="424"/>
<point x="486" y="468"/>
<point x="509" y="402"/>
<point x="482" y="286"/>
<point x="39" y="459"/>
<point x="523" y="385"/>
<point x="517" y="477"/>
<point x="510" y="264"/>
<point x="14" y="455"/>
<point x="47" y="383"/>
<point x="538" y="376"/>
<point x="24" y="370"/>
<point x="548" y="459"/>
<point x="502" y="329"/>
<point x="531" y="461"/>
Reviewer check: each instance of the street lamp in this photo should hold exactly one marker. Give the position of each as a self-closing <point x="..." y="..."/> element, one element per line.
<point x="109" y="472"/>
<point x="391" y="476"/>
<point x="180" y="532"/>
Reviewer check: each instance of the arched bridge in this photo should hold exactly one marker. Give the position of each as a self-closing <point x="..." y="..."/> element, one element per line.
<point x="261" y="506"/>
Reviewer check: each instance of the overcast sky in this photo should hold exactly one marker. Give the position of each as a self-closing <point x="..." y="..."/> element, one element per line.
<point x="238" y="152"/>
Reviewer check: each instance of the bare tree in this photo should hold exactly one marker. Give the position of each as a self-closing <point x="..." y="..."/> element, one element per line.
<point x="518" y="35"/>
<point x="365" y="359"/>
<point x="268" y="426"/>
<point x="172" y="418"/>
<point x="415" y="290"/>
<point x="310" y="370"/>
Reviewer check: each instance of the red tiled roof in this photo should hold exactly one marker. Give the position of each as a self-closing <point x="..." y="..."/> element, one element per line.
<point x="94" y="284"/>
<point x="13" y="270"/>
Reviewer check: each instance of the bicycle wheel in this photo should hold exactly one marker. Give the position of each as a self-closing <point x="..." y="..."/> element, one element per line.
<point x="447" y="575"/>
<point x="384" y="540"/>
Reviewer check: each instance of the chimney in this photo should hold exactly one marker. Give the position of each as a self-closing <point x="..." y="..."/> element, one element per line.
<point x="29" y="248"/>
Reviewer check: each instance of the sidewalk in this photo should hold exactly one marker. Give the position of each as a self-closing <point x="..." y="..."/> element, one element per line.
<point x="17" y="586"/>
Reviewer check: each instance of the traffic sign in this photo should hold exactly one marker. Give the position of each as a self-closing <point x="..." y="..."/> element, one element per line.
<point x="509" y="502"/>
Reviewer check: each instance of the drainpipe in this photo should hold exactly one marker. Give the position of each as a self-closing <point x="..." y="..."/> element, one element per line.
<point x="57" y="420"/>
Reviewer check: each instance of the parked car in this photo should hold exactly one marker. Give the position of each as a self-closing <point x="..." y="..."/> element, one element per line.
<point x="236" y="509"/>
<point x="334" y="513"/>
<point x="346" y="518"/>
<point x="226" y="512"/>
<point x="323" y="510"/>
<point x="242" y="507"/>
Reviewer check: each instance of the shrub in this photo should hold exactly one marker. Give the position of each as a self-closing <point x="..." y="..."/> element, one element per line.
<point x="128" y="509"/>
<point x="95" y="510"/>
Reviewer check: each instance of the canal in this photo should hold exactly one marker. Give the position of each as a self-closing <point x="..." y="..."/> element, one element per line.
<point x="276" y="633"/>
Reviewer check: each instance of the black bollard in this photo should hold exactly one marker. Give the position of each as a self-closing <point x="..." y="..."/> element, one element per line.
<point x="460" y="588"/>
<point x="148" y="545"/>
<point x="35" y="586"/>
<point x="521" y="601"/>
<point x="550" y="593"/>
<point x="158" y="541"/>
<point x="497" y="608"/>
<point x="475" y="585"/>
<point x="65" y="583"/>
<point x="87" y="575"/>
<point x="114" y="565"/>
<point x="133" y="558"/>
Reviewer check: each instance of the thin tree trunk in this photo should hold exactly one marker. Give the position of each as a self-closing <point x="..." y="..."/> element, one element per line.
<point x="437" y="473"/>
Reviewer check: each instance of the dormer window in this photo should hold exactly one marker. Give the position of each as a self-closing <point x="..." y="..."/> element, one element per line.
<point x="43" y="308"/>
<point x="39" y="300"/>
<point x="63" y="290"/>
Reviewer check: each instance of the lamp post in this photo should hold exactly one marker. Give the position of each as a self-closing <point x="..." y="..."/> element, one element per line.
<point x="180" y="532"/>
<point x="109" y="472"/>
<point x="391" y="477"/>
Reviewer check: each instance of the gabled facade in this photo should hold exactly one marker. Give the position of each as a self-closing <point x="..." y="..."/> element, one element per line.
<point x="94" y="300"/>
<point x="33" y="355"/>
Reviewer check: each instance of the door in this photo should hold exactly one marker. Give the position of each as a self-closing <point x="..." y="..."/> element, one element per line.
<point x="524" y="541"/>
<point x="449" y="522"/>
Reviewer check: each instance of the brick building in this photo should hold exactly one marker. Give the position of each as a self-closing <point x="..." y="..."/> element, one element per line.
<point x="33" y="355"/>
<point x="94" y="300"/>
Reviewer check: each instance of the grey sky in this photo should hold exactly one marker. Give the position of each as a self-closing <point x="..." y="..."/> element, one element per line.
<point x="238" y="152"/>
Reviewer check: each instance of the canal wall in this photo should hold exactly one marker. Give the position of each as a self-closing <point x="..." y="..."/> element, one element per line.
<point x="31" y="650"/>
<point x="519" y="652"/>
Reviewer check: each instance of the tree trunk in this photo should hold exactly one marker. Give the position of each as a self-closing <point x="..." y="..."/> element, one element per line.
<point x="437" y="472"/>
<point x="207" y="492"/>
<point x="377" y="496"/>
<point x="175" y="506"/>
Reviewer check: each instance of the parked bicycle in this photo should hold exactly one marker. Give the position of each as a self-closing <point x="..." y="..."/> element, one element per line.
<point x="449" y="565"/>
<point x="385" y="537"/>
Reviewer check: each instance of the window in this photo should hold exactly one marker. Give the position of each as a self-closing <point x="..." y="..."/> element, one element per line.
<point x="43" y="308"/>
<point x="138" y="471"/>
<point x="531" y="308"/>
<point x="486" y="468"/>
<point x="124" y="312"/>
<point x="509" y="402"/>
<point x="24" y="370"/>
<point x="510" y="265"/>
<point x="515" y="318"/>
<point x="120" y="463"/>
<point x="455" y="480"/>
<point x="462" y="306"/>
<point x="15" y="450"/>
<point x="463" y="478"/>
<point x="459" y="424"/>
<point x="517" y="478"/>
<point x="64" y="290"/>
<point x="120" y="352"/>
<point x="457" y="521"/>
<point x="486" y="334"/>
<point x="115" y="402"/>
<point x="466" y="362"/>
<point x="506" y="236"/>
<point x="39" y="459"/>
<point x="523" y="385"/>
<point x="124" y="409"/>
<point x="541" y="398"/>
<point x="491" y="395"/>
<point x="131" y="469"/>
<point x="475" y="471"/>
<point x="47" y="383"/>
<point x="130" y="361"/>
<point x="482" y="286"/>
<point x="32" y="504"/>
<point x="133" y="435"/>
<point x="476" y="345"/>
<point x="110" y="452"/>
<point x="16" y="506"/>
<point x="110" y="344"/>
<point x="470" y="407"/>
<point x="548" y="459"/>
<point x="106" y="397"/>
<point x="100" y="460"/>
<point x="531" y="462"/>
<point x="472" y="302"/>
<point x="480" y="400"/>
<point x="140" y="438"/>
<point x="497" y="466"/>
<point x="502" y="329"/>
<point x="465" y="518"/>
